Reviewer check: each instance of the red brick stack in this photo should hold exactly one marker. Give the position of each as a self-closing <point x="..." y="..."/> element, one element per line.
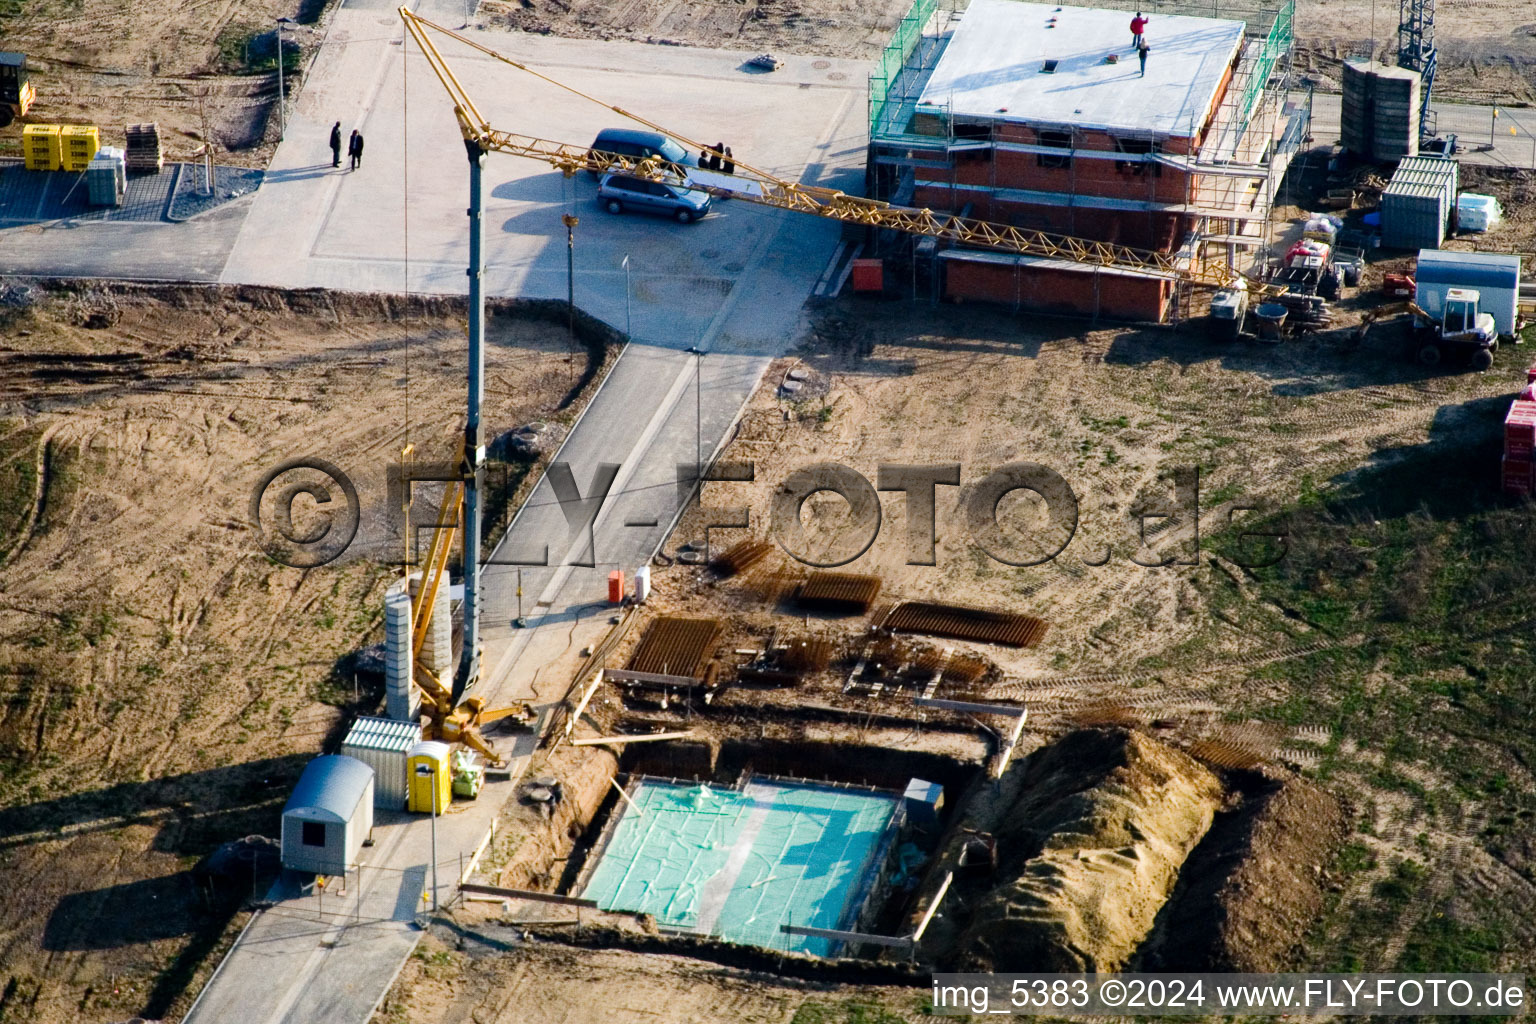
<point x="1518" y="469"/>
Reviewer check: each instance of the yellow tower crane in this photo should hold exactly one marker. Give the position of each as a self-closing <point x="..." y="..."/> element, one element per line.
<point x="455" y="718"/>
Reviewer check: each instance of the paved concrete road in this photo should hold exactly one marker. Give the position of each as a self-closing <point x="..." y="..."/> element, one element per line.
<point x="733" y="284"/>
<point x="1469" y="123"/>
<point x="193" y="251"/>
<point x="398" y="222"/>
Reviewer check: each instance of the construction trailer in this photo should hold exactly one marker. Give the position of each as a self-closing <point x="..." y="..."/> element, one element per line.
<point x="328" y="816"/>
<point x="1494" y="276"/>
<point x="1418" y="206"/>
<point x="1039" y="116"/>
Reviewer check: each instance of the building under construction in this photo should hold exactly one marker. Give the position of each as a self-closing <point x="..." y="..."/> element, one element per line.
<point x="1043" y="117"/>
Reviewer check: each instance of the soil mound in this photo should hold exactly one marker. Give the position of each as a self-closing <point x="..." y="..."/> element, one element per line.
<point x="1252" y="889"/>
<point x="1091" y="847"/>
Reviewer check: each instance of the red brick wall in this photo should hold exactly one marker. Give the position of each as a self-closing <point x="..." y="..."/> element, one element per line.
<point x="1053" y="290"/>
<point x="1139" y="229"/>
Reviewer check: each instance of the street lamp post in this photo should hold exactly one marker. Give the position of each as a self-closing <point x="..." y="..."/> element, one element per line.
<point x="698" y="409"/>
<point x="570" y="220"/>
<point x="628" y="332"/>
<point x="430" y="772"/>
<point x="282" y="116"/>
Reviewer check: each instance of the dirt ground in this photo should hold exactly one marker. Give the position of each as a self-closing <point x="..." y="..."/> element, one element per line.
<point x="111" y="64"/>
<point x="1487" y="48"/>
<point x="162" y="681"/>
<point x="830" y="28"/>
<point x="1117" y="412"/>
<point x="458" y="978"/>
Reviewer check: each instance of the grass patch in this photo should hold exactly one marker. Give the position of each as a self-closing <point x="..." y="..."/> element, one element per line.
<point x="18" y="483"/>
<point x="846" y="1013"/>
<point x="1415" y="574"/>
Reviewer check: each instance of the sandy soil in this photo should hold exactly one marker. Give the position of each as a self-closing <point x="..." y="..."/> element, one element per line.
<point x="537" y="982"/>
<point x="1092" y="834"/>
<point x="1487" y="48"/>
<point x="111" y="64"/>
<point x="831" y="28"/>
<point x="162" y="681"/>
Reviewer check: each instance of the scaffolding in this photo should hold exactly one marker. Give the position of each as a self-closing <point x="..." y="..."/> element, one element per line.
<point x="1232" y="180"/>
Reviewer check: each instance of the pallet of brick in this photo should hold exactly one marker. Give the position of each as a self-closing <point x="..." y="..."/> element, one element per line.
<point x="144" y="153"/>
<point x="40" y="147"/>
<point x="78" y="144"/>
<point x="1516" y="477"/>
<point x="1520" y="430"/>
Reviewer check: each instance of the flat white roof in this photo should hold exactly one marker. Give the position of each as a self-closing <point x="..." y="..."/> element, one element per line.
<point x="993" y="68"/>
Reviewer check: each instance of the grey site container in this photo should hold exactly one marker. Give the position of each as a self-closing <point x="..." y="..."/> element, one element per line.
<point x="328" y="816"/>
<point x="382" y="744"/>
<point x="1419" y="202"/>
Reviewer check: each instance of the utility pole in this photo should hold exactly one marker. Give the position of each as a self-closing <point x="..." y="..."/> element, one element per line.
<point x="698" y="410"/>
<point x="474" y="446"/>
<point x="424" y="771"/>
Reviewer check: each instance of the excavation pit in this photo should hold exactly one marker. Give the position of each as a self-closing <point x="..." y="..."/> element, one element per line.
<point x="739" y="863"/>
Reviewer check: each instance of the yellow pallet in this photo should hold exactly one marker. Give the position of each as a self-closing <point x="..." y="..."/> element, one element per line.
<point x="78" y="144"/>
<point x="40" y="148"/>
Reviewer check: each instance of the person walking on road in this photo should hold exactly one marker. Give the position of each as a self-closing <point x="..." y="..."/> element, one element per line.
<point x="336" y="144"/>
<point x="355" y="149"/>
<point x="1138" y="26"/>
<point x="1141" y="53"/>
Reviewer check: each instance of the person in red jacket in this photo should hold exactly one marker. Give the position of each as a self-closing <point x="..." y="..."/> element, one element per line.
<point x="1138" y="26"/>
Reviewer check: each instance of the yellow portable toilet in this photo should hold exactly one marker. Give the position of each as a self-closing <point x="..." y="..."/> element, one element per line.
<point x="431" y="754"/>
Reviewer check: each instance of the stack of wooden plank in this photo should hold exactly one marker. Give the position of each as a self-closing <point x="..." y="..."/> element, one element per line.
<point x="144" y="148"/>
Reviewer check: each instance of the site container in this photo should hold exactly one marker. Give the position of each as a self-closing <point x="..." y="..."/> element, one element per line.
<point x="868" y="275"/>
<point x="328" y="816"/>
<point x="1495" y="276"/>
<point x="1418" y="203"/>
<point x="384" y="745"/>
<point x="616" y="587"/>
